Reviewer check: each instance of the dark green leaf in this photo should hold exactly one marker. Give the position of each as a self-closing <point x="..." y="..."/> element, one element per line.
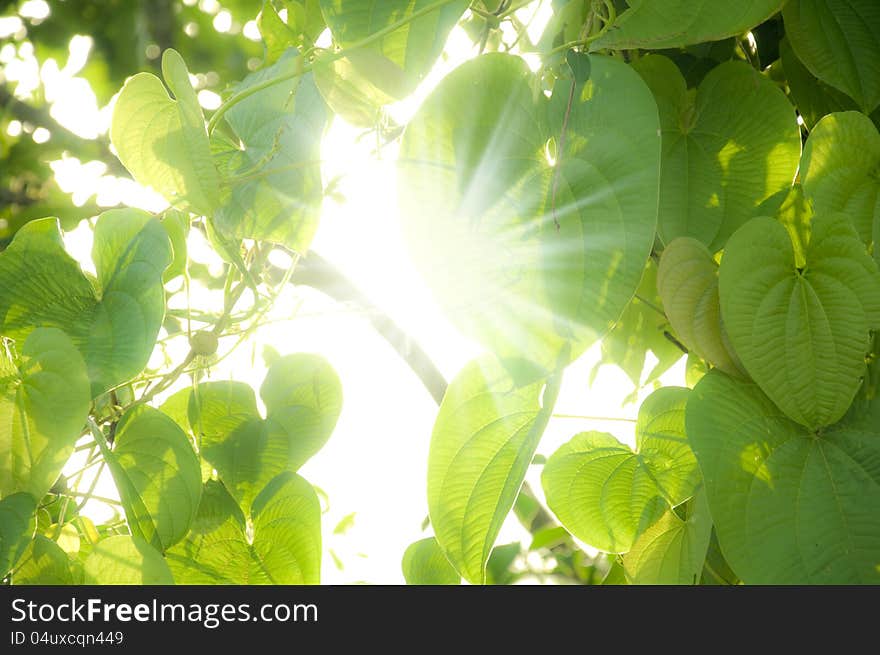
<point x="791" y="506"/>
<point x="17" y="525"/>
<point x="802" y="334"/>
<point x="721" y="159"/>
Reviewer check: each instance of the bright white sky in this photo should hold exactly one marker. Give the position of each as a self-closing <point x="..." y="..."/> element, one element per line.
<point x="375" y="463"/>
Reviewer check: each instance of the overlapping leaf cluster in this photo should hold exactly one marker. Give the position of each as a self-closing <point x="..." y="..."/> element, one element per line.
<point x="661" y="176"/>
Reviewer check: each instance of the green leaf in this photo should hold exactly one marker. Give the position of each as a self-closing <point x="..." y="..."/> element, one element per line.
<point x="721" y="159"/>
<point x="43" y="563"/>
<point x="839" y="42"/>
<point x="716" y="570"/>
<point x="814" y="98"/>
<point x="481" y="203"/>
<point x="641" y="328"/>
<point x="176" y="224"/>
<point x="616" y="576"/>
<point x="274" y="166"/>
<point x="791" y="506"/>
<point x="287" y="529"/>
<point x="303" y="398"/>
<point x="163" y="142"/>
<point x="156" y="461"/>
<point x="606" y="494"/>
<point x="404" y="55"/>
<point x="802" y="334"/>
<point x="840" y="171"/>
<point x="498" y="568"/>
<point x="796" y="214"/>
<point x="277" y="35"/>
<point x="286" y="544"/>
<point x="44" y="402"/>
<point x="348" y="92"/>
<point x="125" y="560"/>
<point x="425" y="564"/>
<point x="17" y="526"/>
<point x="484" y="438"/>
<point x="672" y="551"/>
<point x="658" y="24"/>
<point x="687" y="281"/>
<point x="113" y="323"/>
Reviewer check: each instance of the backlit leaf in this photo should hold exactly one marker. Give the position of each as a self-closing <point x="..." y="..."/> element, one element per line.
<point x="157" y="460"/>
<point x="43" y="563"/>
<point x="163" y="142"/>
<point x="285" y="547"/>
<point x="405" y="54"/>
<point x="672" y="551"/>
<point x="656" y="24"/>
<point x="606" y="494"/>
<point x="303" y="399"/>
<point x="840" y="171"/>
<point x="274" y="170"/>
<point x="16" y="528"/>
<point x="484" y="438"/>
<point x="44" y="402"/>
<point x="125" y="560"/>
<point x="425" y="564"/>
<point x="114" y="323"/>
<point x="802" y="334"/>
<point x="721" y="159"/>
<point x="524" y="256"/>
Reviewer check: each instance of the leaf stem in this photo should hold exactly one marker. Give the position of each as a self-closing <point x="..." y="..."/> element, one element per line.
<point x="330" y="57"/>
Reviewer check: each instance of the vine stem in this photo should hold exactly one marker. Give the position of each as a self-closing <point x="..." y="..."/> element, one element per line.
<point x="87" y="496"/>
<point x="333" y="56"/>
<point x="596" y="418"/>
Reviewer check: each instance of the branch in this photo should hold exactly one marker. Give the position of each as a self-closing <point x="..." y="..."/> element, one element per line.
<point x="316" y="272"/>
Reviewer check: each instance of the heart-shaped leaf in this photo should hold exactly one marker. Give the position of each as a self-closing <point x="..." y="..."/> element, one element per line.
<point x="840" y="171"/>
<point x="673" y="550"/>
<point x="791" y="506"/>
<point x="274" y="163"/>
<point x="125" y="560"/>
<point x="44" y="402"/>
<point x="303" y="398"/>
<point x="163" y="142"/>
<point x="425" y="564"/>
<point x="156" y="467"/>
<point x="839" y="42"/>
<point x="606" y="494"/>
<point x="721" y="159"/>
<point x="285" y="547"/>
<point x="16" y="528"/>
<point x="532" y="218"/>
<point x="658" y="24"/>
<point x="404" y="54"/>
<point x="802" y="334"/>
<point x="687" y="281"/>
<point x="484" y="438"/>
<point x="44" y="563"/>
<point x="114" y="323"/>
